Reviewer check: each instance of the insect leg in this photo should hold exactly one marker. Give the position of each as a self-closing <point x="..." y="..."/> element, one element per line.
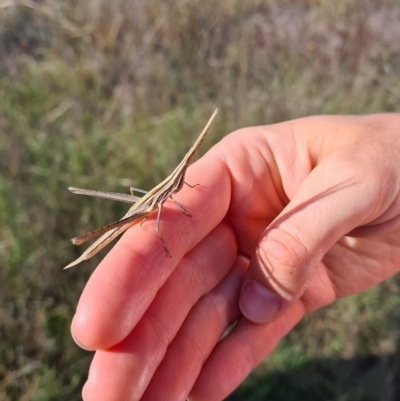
<point x="141" y="223"/>
<point x="183" y="209"/>
<point x="191" y="186"/>
<point x="133" y="189"/>
<point x="160" y="205"/>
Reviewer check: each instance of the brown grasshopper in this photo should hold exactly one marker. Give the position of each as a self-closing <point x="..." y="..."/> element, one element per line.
<point x="141" y="207"/>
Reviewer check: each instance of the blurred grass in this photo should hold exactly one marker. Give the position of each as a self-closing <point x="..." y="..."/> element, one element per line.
<point x="107" y="94"/>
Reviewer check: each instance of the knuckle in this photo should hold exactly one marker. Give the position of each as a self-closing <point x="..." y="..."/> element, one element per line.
<point x="159" y="328"/>
<point x="192" y="346"/>
<point x="283" y="250"/>
<point x="284" y="261"/>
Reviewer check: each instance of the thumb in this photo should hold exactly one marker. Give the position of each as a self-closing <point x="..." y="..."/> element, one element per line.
<point x="326" y="206"/>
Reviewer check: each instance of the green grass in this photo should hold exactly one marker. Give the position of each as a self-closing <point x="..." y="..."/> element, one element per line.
<point x="112" y="95"/>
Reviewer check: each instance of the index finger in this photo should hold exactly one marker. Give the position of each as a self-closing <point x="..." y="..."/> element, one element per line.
<point x="127" y="280"/>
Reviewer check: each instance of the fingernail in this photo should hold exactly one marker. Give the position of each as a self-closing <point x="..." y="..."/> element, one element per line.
<point x="258" y="303"/>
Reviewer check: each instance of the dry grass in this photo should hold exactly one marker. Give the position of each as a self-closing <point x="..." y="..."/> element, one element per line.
<point x="81" y="80"/>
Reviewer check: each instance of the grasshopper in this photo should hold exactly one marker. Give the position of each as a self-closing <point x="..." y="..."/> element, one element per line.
<point x="142" y="207"/>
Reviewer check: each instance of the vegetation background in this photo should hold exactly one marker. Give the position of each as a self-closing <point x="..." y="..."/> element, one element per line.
<point x="105" y="94"/>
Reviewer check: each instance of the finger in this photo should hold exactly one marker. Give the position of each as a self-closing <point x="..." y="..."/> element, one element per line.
<point x="126" y="281"/>
<point x="124" y="371"/>
<point x="326" y="207"/>
<point x="238" y="353"/>
<point x="196" y="339"/>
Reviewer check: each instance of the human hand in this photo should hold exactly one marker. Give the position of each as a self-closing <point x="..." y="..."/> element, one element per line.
<point x="312" y="203"/>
